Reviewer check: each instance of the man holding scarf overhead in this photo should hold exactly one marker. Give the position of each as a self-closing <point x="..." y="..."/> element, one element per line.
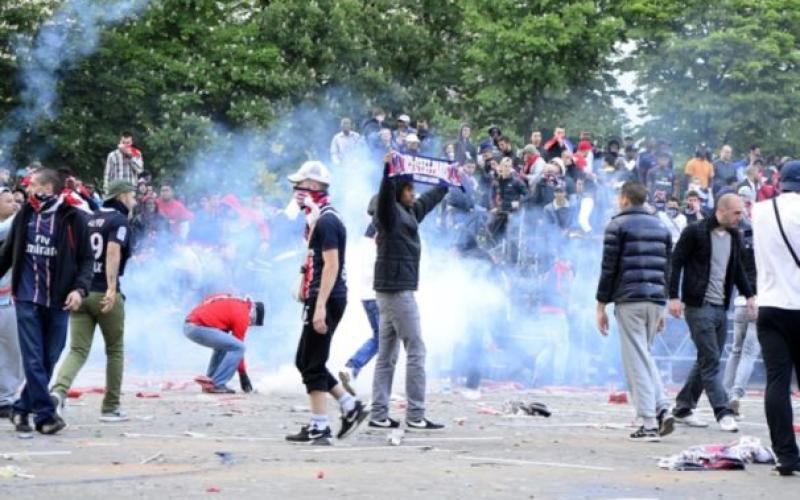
<point x="397" y="219"/>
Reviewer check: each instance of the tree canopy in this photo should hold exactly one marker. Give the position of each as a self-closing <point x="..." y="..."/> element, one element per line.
<point x="184" y="74"/>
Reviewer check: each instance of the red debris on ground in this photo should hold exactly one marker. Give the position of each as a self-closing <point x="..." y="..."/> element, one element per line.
<point x="320" y="474"/>
<point x="169" y="385"/>
<point x="80" y="391"/>
<point x="620" y="398"/>
<point x="205" y="383"/>
<point x="142" y="394"/>
<point x="212" y="489"/>
<point x="488" y="410"/>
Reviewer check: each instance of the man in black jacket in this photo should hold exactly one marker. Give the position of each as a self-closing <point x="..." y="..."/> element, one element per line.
<point x="397" y="219"/>
<point x="51" y="260"/>
<point x="636" y="253"/>
<point x="709" y="255"/>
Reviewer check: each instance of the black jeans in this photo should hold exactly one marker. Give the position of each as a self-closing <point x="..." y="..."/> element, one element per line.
<point x="314" y="348"/>
<point x="779" y="335"/>
<point x="709" y="328"/>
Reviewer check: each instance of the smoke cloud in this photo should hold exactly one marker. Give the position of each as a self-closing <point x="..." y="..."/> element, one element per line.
<point x="72" y="33"/>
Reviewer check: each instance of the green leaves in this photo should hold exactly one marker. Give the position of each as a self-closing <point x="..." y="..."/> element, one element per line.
<point x="722" y="72"/>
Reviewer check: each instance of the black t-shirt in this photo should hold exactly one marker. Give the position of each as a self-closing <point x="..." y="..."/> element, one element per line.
<point x="108" y="225"/>
<point x="329" y="233"/>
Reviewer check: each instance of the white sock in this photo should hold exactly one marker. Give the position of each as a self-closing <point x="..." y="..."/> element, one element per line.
<point x="319" y="422"/>
<point x="650" y="423"/>
<point x="347" y="402"/>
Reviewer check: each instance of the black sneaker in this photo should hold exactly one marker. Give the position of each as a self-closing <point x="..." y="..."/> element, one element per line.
<point x="666" y="422"/>
<point x="21" y="421"/>
<point x="317" y="437"/>
<point x="646" y="435"/>
<point x="51" y="425"/>
<point x="787" y="470"/>
<point x="220" y="389"/>
<point x="386" y="423"/>
<point x="6" y="411"/>
<point x="352" y="420"/>
<point x="423" y="425"/>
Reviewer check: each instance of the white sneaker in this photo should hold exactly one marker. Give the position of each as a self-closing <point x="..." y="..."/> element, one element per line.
<point x="114" y="416"/>
<point x="692" y="420"/>
<point x="347" y="378"/>
<point x="728" y="424"/>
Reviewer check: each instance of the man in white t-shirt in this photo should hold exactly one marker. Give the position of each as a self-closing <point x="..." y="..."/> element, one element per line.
<point x="776" y="240"/>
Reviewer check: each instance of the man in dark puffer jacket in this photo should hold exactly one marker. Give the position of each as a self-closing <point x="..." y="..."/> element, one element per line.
<point x="636" y="253"/>
<point x="397" y="220"/>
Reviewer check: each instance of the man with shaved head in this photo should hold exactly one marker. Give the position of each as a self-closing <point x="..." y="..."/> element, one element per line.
<point x="709" y="255"/>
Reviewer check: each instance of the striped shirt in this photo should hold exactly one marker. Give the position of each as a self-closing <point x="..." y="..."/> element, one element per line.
<point x="38" y="274"/>
<point x="120" y="166"/>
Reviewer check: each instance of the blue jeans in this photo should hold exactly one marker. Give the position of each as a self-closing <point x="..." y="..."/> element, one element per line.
<point x="42" y="335"/>
<point x="228" y="351"/>
<point x="708" y="326"/>
<point x="744" y="353"/>
<point x="370" y="348"/>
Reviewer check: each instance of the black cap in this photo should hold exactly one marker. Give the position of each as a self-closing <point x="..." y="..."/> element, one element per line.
<point x="790" y="176"/>
<point x="259" y="313"/>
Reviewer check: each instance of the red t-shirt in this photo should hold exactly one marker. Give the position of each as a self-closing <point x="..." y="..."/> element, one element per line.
<point x="223" y="312"/>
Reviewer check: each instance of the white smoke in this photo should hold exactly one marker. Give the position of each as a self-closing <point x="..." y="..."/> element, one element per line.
<point x="72" y="33"/>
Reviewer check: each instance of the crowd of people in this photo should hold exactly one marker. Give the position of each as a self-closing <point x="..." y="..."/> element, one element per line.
<point x="534" y="213"/>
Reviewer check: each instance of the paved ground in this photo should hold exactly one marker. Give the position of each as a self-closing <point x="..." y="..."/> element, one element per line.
<point x="171" y="449"/>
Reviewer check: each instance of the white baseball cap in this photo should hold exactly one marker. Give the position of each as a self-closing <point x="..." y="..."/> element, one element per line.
<point x="404" y="118"/>
<point x="311" y="171"/>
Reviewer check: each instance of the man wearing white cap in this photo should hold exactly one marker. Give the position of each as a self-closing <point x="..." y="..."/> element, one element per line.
<point x="323" y="291"/>
<point x="412" y="144"/>
<point x="403" y="128"/>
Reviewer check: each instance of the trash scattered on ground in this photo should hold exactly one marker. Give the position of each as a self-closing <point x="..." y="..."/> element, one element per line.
<point x="488" y="410"/>
<point x="620" y="398"/>
<point x="522" y="408"/>
<point x="733" y="456"/>
<point x="395" y="437"/>
<point x="299" y="409"/>
<point x="320" y="474"/>
<point x="470" y="394"/>
<point x="225" y="457"/>
<point x="212" y="489"/>
<point x="194" y="434"/>
<point x="169" y="385"/>
<point x="204" y="382"/>
<point x="14" y="454"/>
<point x="150" y="395"/>
<point x="152" y="458"/>
<point x="12" y="471"/>
<point x="459" y="420"/>
<point x="80" y="391"/>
